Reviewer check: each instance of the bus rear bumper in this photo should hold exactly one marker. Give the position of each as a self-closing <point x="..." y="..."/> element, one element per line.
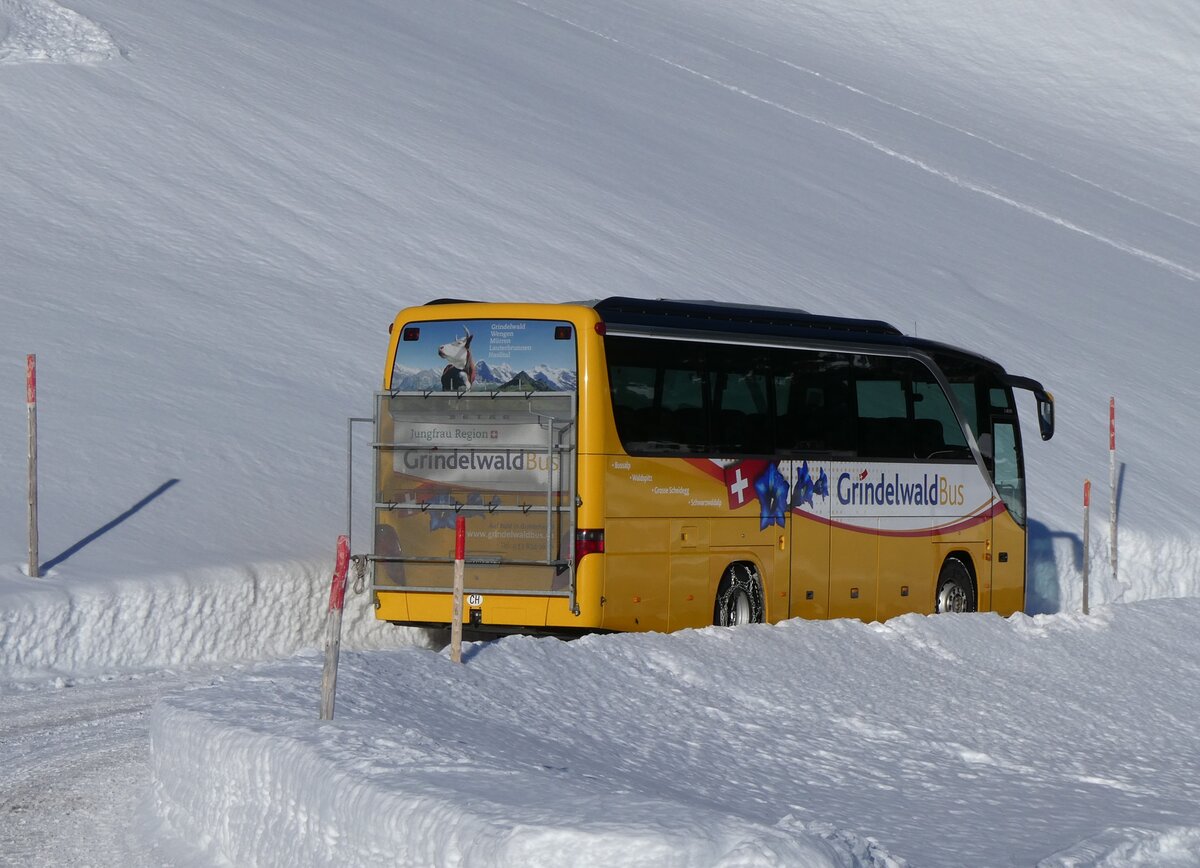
<point x="494" y="612"/>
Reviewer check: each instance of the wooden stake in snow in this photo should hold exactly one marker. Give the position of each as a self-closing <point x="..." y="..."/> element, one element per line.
<point x="333" y="627"/>
<point x="1112" y="483"/>
<point x="1087" y="498"/>
<point x="31" y="404"/>
<point x="456" y="618"/>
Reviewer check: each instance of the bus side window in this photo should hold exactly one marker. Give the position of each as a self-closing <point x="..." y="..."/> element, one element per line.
<point x="973" y="390"/>
<point x="658" y="395"/>
<point x="740" y="413"/>
<point x="936" y="432"/>
<point x="883" y="421"/>
<point x="839" y="404"/>
<point x="964" y="392"/>
<point x="633" y="403"/>
<point x="813" y="402"/>
<point x="684" y="426"/>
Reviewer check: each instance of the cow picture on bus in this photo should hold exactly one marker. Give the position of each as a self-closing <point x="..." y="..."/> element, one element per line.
<point x="459" y="372"/>
<point x="629" y="464"/>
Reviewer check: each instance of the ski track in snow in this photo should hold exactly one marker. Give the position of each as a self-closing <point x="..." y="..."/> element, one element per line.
<point x="849" y="88"/>
<point x="42" y="31"/>
<point x="957" y="180"/>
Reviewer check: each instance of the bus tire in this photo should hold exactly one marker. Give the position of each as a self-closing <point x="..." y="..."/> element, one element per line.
<point x="739" y="597"/>
<point x="955" y="588"/>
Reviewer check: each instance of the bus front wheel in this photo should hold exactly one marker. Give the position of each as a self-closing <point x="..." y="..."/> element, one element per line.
<point x="955" y="589"/>
<point x="739" y="597"/>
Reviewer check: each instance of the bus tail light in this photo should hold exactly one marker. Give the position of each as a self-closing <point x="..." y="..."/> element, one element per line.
<point x="587" y="542"/>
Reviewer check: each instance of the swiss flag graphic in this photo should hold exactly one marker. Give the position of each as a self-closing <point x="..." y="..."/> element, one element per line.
<point x="740" y="479"/>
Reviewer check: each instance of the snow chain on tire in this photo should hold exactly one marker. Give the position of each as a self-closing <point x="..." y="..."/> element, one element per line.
<point x="743" y="579"/>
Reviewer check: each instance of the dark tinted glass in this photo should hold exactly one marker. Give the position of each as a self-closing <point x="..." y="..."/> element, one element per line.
<point x="727" y="400"/>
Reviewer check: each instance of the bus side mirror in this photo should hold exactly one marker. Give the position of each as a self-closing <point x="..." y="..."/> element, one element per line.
<point x="1045" y="403"/>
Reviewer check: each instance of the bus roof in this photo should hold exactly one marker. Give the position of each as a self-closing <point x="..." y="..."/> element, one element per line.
<point x="775" y="322"/>
<point x="728" y="317"/>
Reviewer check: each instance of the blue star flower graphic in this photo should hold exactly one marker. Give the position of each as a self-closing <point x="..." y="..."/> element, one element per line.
<point x="807" y="487"/>
<point x="772" y="490"/>
<point x="803" y="492"/>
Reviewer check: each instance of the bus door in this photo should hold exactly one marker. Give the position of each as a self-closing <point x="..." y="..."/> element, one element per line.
<point x="808" y="539"/>
<point x="1008" y="525"/>
<point x="811" y="394"/>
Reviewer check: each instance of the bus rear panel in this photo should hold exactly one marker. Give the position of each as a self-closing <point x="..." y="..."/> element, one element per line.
<point x="479" y="421"/>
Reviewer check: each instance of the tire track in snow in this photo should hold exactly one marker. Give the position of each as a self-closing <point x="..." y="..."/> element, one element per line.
<point x="959" y="181"/>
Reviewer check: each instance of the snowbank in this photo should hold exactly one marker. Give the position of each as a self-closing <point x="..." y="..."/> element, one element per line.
<point x="57" y="626"/>
<point x="60" y="625"/>
<point x="1149" y="566"/>
<point x="942" y="741"/>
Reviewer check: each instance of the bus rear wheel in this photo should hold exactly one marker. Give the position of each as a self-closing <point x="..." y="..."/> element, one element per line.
<point x="955" y="589"/>
<point x="739" y="597"/>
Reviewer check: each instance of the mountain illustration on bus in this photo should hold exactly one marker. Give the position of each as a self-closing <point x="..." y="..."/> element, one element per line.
<point x="489" y="356"/>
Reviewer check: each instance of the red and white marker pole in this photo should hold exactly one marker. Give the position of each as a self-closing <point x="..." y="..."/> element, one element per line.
<point x="333" y="627"/>
<point x="1087" y="523"/>
<point x="456" y="617"/>
<point x="1112" y="483"/>
<point x="31" y="405"/>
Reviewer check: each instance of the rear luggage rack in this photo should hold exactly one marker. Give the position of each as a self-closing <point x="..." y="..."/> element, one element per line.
<point x="504" y="460"/>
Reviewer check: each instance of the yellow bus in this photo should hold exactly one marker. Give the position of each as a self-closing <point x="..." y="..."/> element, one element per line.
<point x="633" y="464"/>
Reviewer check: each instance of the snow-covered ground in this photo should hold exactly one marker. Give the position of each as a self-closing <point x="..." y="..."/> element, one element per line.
<point x="209" y="214"/>
<point x="965" y="740"/>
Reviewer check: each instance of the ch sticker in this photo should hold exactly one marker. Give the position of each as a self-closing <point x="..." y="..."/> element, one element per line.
<point x="475" y="599"/>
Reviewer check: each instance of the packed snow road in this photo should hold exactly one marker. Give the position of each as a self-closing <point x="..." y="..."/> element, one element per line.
<point x="75" y="771"/>
<point x="75" y="775"/>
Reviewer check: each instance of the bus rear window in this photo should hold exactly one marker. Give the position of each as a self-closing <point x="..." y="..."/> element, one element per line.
<point x="485" y="355"/>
